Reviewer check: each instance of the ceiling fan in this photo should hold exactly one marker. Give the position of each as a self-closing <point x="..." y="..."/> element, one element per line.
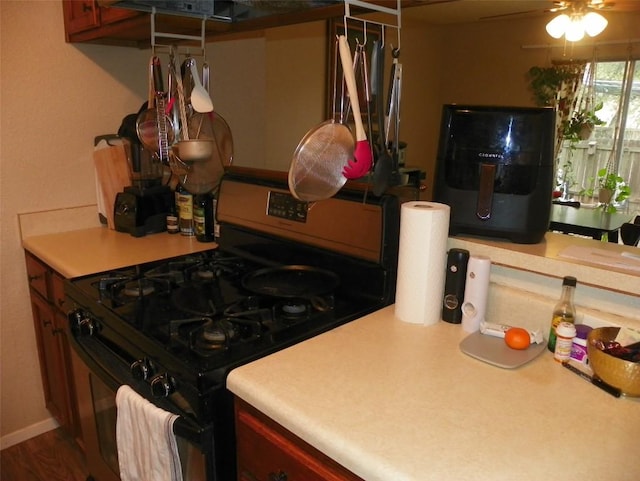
<point x="580" y="5"/>
<point x="573" y="6"/>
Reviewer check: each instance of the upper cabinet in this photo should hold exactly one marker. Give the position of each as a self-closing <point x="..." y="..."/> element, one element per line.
<point x="86" y="21"/>
<point x="105" y="22"/>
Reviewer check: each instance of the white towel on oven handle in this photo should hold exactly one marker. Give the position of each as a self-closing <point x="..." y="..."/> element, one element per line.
<point x="147" y="448"/>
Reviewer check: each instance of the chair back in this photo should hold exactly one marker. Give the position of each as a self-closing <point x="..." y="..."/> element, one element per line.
<point x="630" y="234"/>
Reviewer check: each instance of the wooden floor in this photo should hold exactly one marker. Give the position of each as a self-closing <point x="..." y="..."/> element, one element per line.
<point x="52" y="456"/>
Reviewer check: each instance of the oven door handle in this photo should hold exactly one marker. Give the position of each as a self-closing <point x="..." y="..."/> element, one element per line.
<point x="114" y="372"/>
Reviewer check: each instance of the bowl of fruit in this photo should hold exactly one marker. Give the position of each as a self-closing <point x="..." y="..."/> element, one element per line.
<point x="614" y="363"/>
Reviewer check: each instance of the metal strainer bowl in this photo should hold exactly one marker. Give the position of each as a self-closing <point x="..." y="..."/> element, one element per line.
<point x="318" y="161"/>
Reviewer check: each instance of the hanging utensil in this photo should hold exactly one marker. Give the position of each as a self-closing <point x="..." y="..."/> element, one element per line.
<point x="362" y="156"/>
<point x="212" y="126"/>
<point x="366" y="85"/>
<point x="391" y="95"/>
<point x="316" y="168"/>
<point x="147" y="123"/>
<point x="207" y="152"/>
<point x="394" y="116"/>
<point x="161" y="117"/>
<point x="200" y="99"/>
<point x="384" y="164"/>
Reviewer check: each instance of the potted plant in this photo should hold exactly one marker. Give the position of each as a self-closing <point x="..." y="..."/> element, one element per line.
<point x="611" y="188"/>
<point x="546" y="82"/>
<point x="581" y="125"/>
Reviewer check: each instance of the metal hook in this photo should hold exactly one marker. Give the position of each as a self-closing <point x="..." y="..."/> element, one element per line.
<point x="365" y="33"/>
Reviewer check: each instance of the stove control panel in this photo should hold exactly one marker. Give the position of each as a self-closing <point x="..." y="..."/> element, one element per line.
<point x="347" y="226"/>
<point x="287" y="207"/>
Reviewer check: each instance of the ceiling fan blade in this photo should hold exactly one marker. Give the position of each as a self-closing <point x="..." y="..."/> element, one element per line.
<point x="511" y="14"/>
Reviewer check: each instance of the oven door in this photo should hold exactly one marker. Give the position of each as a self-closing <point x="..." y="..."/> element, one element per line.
<point x="96" y="392"/>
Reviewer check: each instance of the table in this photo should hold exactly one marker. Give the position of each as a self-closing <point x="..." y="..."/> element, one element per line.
<point x="586" y="221"/>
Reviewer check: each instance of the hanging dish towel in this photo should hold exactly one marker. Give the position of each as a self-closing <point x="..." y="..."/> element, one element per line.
<point x="147" y="449"/>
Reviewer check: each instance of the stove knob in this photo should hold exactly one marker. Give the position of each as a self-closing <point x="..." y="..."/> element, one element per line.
<point x="81" y="323"/>
<point x="142" y="369"/>
<point x="162" y="385"/>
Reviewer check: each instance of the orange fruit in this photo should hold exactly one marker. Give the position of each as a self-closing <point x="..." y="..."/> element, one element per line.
<point x="517" y="338"/>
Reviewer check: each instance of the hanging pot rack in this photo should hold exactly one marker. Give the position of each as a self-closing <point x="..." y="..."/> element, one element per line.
<point x="393" y="14"/>
<point x="195" y="41"/>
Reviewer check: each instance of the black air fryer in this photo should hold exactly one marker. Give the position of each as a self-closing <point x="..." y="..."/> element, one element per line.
<point x="495" y="170"/>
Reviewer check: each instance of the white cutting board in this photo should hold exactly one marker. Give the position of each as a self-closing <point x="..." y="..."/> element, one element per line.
<point x="494" y="351"/>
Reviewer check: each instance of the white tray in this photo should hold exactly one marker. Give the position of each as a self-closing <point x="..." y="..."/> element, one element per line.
<point x="493" y="350"/>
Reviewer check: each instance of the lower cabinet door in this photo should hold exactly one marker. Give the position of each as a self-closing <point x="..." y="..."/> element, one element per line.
<point x="51" y="349"/>
<point x="268" y="452"/>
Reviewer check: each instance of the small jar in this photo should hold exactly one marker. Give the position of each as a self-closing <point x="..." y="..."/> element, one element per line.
<point x="579" y="346"/>
<point x="565" y="332"/>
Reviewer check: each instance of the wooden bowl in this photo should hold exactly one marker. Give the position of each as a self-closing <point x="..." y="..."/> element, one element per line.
<point x="625" y="375"/>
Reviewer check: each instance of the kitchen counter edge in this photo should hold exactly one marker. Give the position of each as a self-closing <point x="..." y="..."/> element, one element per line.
<point x="88" y="251"/>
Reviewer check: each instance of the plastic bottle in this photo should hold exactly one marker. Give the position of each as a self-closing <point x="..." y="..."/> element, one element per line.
<point x="579" y="347"/>
<point x="565" y="332"/>
<point x="564" y="311"/>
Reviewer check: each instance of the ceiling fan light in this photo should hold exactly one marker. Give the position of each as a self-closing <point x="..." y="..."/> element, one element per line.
<point x="575" y="30"/>
<point x="594" y="23"/>
<point x="558" y="25"/>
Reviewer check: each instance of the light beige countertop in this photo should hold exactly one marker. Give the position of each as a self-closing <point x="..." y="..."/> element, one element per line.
<point x="548" y="258"/>
<point x="396" y="401"/>
<point x="87" y="251"/>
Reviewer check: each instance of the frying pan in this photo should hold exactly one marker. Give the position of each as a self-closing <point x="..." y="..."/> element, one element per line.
<point x="292" y="281"/>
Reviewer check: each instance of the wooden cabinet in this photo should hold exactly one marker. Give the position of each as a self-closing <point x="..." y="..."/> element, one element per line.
<point x="268" y="452"/>
<point x="86" y="21"/>
<point x="46" y="289"/>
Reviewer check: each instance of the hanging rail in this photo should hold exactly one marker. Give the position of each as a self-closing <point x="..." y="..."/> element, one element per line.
<point x="155" y="35"/>
<point x="394" y="12"/>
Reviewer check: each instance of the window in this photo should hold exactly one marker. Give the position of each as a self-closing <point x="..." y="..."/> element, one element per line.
<point x="615" y="85"/>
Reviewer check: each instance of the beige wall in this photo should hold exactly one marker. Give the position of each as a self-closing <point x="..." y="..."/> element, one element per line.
<point x="56" y="97"/>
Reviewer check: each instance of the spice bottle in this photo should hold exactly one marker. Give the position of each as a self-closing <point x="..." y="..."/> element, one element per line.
<point x="565" y="332"/>
<point x="564" y="311"/>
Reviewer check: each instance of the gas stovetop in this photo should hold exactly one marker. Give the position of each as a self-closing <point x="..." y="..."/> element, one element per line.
<point x="196" y="308"/>
<point x="283" y="271"/>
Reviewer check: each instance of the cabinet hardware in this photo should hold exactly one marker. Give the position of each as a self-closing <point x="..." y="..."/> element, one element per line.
<point x="35" y="278"/>
<point x="279" y="476"/>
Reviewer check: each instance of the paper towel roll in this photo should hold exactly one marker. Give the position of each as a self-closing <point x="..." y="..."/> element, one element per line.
<point x="422" y="262"/>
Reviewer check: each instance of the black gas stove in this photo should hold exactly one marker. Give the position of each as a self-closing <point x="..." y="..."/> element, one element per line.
<point x="283" y="271"/>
